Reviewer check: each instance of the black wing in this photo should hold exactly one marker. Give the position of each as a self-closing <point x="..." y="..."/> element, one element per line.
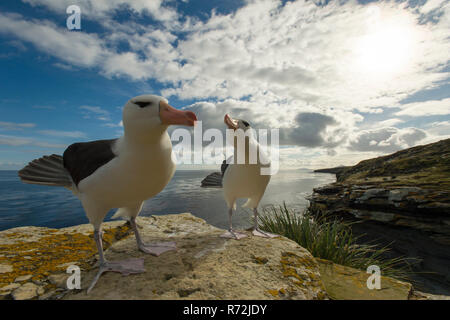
<point x="83" y="158"/>
<point x="225" y="164"/>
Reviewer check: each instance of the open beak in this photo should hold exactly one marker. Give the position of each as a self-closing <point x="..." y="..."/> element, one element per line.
<point x="230" y="122"/>
<point x="169" y="115"/>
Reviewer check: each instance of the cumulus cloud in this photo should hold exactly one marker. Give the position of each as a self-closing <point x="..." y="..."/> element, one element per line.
<point x="386" y="139"/>
<point x="310" y="70"/>
<point x="344" y="54"/>
<point x="298" y="124"/>
<point x="78" y="48"/>
<point x="309" y="129"/>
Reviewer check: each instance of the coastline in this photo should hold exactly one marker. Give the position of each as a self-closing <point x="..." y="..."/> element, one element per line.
<point x="290" y="272"/>
<point x="402" y="201"/>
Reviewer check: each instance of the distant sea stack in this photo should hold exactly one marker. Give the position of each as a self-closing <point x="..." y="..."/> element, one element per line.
<point x="214" y="180"/>
<point x="403" y="199"/>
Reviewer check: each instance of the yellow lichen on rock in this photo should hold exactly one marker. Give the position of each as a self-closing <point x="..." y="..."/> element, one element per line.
<point x="40" y="252"/>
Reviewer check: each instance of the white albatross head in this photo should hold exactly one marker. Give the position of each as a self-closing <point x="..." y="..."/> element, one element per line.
<point x="235" y="124"/>
<point x="147" y="115"/>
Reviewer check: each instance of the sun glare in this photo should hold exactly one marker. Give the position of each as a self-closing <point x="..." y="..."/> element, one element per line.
<point x="386" y="50"/>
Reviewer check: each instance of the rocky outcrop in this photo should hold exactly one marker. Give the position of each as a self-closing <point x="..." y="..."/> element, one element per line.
<point x="345" y="283"/>
<point x="401" y="200"/>
<point x="30" y="256"/>
<point x="212" y="180"/>
<point x="204" y="266"/>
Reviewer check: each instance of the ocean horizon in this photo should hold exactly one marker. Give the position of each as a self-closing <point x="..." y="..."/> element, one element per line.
<point x="56" y="207"/>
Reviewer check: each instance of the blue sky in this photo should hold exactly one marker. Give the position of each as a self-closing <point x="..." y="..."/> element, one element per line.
<point x="343" y="81"/>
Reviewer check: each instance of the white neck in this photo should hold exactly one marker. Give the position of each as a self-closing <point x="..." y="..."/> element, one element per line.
<point x="134" y="138"/>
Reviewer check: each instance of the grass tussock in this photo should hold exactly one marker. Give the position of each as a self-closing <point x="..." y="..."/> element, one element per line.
<point x="331" y="239"/>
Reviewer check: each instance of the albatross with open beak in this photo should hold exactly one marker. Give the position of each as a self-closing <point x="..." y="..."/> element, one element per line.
<point x="119" y="173"/>
<point x="244" y="180"/>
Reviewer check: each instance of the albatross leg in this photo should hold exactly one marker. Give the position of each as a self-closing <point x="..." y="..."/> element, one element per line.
<point x="126" y="267"/>
<point x="231" y="234"/>
<point x="156" y="248"/>
<point x="258" y="232"/>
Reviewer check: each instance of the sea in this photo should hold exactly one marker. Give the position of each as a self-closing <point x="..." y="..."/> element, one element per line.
<point x="55" y="207"/>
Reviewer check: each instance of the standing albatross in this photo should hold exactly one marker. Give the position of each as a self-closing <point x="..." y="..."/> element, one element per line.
<point x="244" y="180"/>
<point x="119" y="173"/>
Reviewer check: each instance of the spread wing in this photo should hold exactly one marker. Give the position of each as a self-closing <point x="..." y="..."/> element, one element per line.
<point x="83" y="158"/>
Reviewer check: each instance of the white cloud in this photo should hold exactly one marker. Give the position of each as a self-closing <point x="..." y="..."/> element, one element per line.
<point x="15" y="126"/>
<point x="431" y="5"/>
<point x="78" y="48"/>
<point x="99" y="8"/>
<point x="322" y="55"/>
<point x="299" y="124"/>
<point x="388" y="123"/>
<point x="114" y="125"/>
<point x="425" y="108"/>
<point x="386" y="139"/>
<point x="64" y="134"/>
<point x="25" y="141"/>
<point x="306" y="69"/>
<point x="13" y="141"/>
<point x="101" y="114"/>
<point x="439" y="129"/>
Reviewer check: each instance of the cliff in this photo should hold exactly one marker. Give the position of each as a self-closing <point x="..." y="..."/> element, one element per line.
<point x="205" y="266"/>
<point x="336" y="170"/>
<point x="402" y="199"/>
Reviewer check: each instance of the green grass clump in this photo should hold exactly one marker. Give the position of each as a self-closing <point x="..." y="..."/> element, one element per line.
<point x="331" y="239"/>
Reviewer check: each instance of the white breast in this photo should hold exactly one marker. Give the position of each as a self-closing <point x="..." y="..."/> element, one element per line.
<point x="132" y="177"/>
<point x="244" y="181"/>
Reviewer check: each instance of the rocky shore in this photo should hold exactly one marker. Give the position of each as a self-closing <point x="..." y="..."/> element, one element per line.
<point x="205" y="266"/>
<point x="403" y="200"/>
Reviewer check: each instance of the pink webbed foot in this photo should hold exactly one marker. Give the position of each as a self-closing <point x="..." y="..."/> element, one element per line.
<point x="231" y="234"/>
<point x="263" y="234"/>
<point x="125" y="267"/>
<point x="157" y="248"/>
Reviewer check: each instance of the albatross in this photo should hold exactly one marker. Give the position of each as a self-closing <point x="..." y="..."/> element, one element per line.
<point x="244" y="180"/>
<point x="118" y="173"/>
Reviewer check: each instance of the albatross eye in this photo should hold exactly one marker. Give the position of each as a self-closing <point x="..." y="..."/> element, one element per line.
<point x="143" y="104"/>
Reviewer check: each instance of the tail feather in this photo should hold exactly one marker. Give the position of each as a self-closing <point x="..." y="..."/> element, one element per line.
<point x="48" y="170"/>
<point x="43" y="167"/>
<point x="39" y="172"/>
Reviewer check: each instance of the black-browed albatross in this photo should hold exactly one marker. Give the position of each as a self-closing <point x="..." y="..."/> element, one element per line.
<point x="119" y="173"/>
<point x="245" y="180"/>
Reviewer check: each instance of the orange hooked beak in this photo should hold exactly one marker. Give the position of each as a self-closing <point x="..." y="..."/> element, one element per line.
<point x="230" y="122"/>
<point x="169" y="115"/>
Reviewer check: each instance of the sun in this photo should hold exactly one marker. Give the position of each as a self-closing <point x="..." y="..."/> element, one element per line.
<point x="385" y="50"/>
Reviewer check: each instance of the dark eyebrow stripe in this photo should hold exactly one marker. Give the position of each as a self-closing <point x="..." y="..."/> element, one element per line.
<point x="142" y="104"/>
<point x="245" y="123"/>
